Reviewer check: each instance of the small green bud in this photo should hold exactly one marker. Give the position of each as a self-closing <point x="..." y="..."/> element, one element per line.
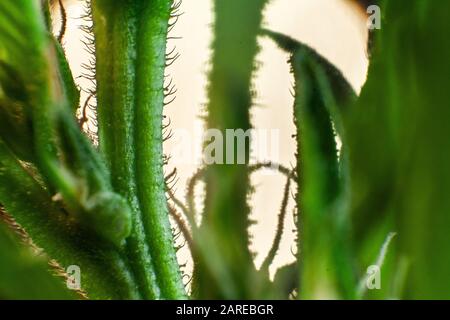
<point x="109" y="214"/>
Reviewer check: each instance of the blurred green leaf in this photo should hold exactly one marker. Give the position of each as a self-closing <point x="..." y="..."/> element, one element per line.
<point x="398" y="140"/>
<point x="321" y="96"/>
<point x="286" y="280"/>
<point x="24" y="275"/>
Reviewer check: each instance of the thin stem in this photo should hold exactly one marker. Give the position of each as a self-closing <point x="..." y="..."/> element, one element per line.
<point x="280" y="227"/>
<point x="183" y="228"/>
<point x="63" y="13"/>
<point x="186" y="212"/>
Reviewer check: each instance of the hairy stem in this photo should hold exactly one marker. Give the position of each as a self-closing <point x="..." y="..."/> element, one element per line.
<point x="130" y="46"/>
<point x="151" y="59"/>
<point x="115" y="31"/>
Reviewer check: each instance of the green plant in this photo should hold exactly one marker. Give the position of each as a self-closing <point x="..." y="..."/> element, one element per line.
<point x="104" y="208"/>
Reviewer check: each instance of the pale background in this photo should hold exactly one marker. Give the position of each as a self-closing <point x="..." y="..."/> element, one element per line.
<point x="335" y="28"/>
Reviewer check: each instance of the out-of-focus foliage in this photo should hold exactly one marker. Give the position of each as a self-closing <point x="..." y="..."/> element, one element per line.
<point x="398" y="141"/>
<point x="321" y="96"/>
<point x="23" y="275"/>
<point x="395" y="153"/>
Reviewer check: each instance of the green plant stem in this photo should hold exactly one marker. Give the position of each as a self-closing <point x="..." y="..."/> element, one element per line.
<point x="130" y="46"/>
<point x="151" y="61"/>
<point x="114" y="27"/>
<point x="70" y="89"/>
